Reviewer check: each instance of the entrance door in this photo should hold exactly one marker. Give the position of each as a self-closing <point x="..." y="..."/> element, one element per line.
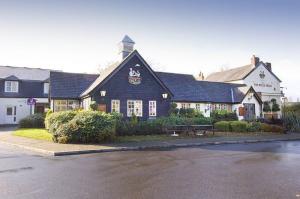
<point x="11" y="115"/>
<point x="249" y="111"/>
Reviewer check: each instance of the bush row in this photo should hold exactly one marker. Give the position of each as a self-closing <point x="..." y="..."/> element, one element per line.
<point x="223" y="115"/>
<point x="33" y="121"/>
<point x="81" y="126"/>
<point x="242" y="126"/>
<point x="156" y="126"/>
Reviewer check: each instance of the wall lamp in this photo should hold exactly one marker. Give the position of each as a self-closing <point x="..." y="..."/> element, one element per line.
<point x="165" y="95"/>
<point x="102" y="93"/>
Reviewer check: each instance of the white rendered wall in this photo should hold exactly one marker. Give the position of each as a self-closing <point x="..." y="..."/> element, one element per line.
<point x="203" y="107"/>
<point x="251" y="100"/>
<point x="23" y="109"/>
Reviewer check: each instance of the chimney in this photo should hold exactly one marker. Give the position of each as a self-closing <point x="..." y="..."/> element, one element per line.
<point x="126" y="46"/>
<point x="200" y="76"/>
<point x="254" y="60"/>
<point x="269" y="66"/>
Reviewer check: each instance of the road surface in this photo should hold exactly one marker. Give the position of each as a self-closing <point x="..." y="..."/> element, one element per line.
<point x="263" y="170"/>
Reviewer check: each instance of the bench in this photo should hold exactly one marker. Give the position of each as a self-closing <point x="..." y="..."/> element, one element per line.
<point x="187" y="129"/>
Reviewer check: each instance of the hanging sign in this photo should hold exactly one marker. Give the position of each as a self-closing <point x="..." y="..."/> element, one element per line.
<point x="31" y="101"/>
<point x="134" y="77"/>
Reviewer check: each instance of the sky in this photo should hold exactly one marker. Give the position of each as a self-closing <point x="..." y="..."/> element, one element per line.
<point x="182" y="36"/>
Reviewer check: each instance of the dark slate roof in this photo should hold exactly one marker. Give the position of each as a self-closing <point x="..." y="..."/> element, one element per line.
<point x="27" y="89"/>
<point x="187" y="89"/>
<point x="69" y="85"/>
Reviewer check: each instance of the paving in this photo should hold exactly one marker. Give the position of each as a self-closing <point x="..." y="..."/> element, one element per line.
<point x="55" y="149"/>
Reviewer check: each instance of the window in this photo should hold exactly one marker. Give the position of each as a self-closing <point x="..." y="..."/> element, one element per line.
<point x="115" y="106"/>
<point x="86" y="103"/>
<point x="134" y="107"/>
<point x="63" y="105"/>
<point x="185" y="105"/>
<point x="152" y="108"/>
<point x="198" y="107"/>
<point x="9" y="110"/>
<point x="46" y="88"/>
<point x="11" y="86"/>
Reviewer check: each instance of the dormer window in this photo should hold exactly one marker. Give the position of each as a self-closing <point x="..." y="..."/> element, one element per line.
<point x="11" y="86"/>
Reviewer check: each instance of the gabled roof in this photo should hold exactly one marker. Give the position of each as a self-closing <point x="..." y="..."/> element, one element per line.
<point x="12" y="78"/>
<point x="69" y="85"/>
<point x="187" y="89"/>
<point x="113" y="69"/>
<point x="24" y="73"/>
<point x="236" y="74"/>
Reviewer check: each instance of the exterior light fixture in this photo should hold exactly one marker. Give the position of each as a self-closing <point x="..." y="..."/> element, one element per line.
<point x="102" y="93"/>
<point x="165" y="95"/>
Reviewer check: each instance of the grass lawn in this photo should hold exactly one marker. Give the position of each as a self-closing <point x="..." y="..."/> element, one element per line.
<point x="39" y="134"/>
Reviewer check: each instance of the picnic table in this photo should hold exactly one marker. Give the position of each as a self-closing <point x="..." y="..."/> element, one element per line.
<point x="187" y="129"/>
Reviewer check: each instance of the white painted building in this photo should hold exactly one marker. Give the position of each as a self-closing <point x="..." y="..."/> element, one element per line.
<point x="258" y="75"/>
<point x="19" y="86"/>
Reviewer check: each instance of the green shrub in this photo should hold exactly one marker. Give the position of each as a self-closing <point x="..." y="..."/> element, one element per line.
<point x="87" y="127"/>
<point x="272" y="128"/>
<point x="222" y="126"/>
<point x="32" y="121"/>
<point x="173" y="109"/>
<point x="93" y="106"/>
<point x="254" y="127"/>
<point x="223" y="115"/>
<point x="47" y="122"/>
<point x="58" y="118"/>
<point x="238" y="126"/>
<point x="291" y="120"/>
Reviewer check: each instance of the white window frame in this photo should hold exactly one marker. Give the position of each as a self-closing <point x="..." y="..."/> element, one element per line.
<point x="115" y="106"/>
<point x="64" y="105"/>
<point x="185" y="105"/>
<point x="11" y="86"/>
<point x="132" y="106"/>
<point x="152" y="108"/>
<point x="46" y="88"/>
<point x="198" y="106"/>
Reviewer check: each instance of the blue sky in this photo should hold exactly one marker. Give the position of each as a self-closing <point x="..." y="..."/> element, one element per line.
<point x="176" y="36"/>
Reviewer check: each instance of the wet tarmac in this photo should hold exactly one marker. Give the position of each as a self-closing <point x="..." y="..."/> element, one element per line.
<point x="264" y="170"/>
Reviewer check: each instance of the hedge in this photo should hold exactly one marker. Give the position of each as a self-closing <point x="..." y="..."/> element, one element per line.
<point x="238" y="126"/>
<point x="242" y="126"/>
<point x="156" y="126"/>
<point x="32" y="121"/>
<point x="223" y="126"/>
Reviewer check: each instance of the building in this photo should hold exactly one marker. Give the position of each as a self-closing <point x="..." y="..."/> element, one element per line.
<point x="258" y="75"/>
<point x="23" y="91"/>
<point x="131" y="87"/>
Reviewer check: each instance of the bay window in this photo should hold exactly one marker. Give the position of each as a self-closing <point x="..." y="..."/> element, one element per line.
<point x="134" y="107"/>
